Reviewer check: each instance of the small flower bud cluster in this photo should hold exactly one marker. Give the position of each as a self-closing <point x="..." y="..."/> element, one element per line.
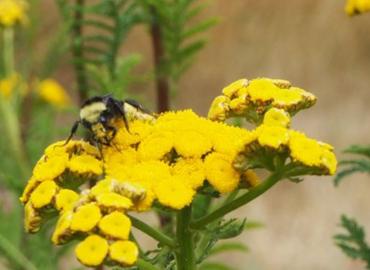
<point x="12" y="12"/>
<point x="251" y="99"/>
<point x="355" y="7"/>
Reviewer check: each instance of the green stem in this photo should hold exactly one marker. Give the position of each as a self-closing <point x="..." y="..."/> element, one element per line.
<point x="144" y="265"/>
<point x="8" y="36"/>
<point x="244" y="199"/>
<point x="155" y="234"/>
<point x="15" y="255"/>
<point x="185" y="258"/>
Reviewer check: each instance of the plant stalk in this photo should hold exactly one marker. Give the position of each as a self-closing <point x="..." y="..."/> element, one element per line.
<point x="185" y="258"/>
<point x="144" y="265"/>
<point x="244" y="199"/>
<point x="8" y="36"/>
<point x="162" y="83"/>
<point x="155" y="234"/>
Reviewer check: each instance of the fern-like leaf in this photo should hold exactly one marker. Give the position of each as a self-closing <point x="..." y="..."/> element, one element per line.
<point x="353" y="242"/>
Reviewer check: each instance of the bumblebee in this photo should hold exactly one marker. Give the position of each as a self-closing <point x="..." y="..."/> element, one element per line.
<point x="98" y="114"/>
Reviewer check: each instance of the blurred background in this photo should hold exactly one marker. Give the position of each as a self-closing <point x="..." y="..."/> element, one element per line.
<point x="313" y="44"/>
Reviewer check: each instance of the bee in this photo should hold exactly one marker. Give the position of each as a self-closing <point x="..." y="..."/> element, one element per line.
<point x="98" y="113"/>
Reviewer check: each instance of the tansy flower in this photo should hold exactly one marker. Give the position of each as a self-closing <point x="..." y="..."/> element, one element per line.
<point x="32" y="219"/>
<point x="232" y="89"/>
<point x="329" y="161"/>
<point x="261" y="90"/>
<point x="50" y="167"/>
<point x="304" y="150"/>
<point x="30" y="187"/>
<point x="272" y="136"/>
<point x="220" y="173"/>
<point x="251" y="177"/>
<point x="124" y="252"/>
<point x="354" y="7"/>
<point x="156" y="145"/>
<point x="43" y="194"/>
<point x="191" y="143"/>
<point x="285" y="84"/>
<point x="276" y="117"/>
<point x="12" y="12"/>
<point x="63" y="228"/>
<point x="102" y="186"/>
<point x="113" y="201"/>
<point x="219" y="108"/>
<point x="85" y="218"/>
<point x="239" y="105"/>
<point x="285" y="98"/>
<point x="65" y="199"/>
<point x="92" y="250"/>
<point x="115" y="225"/>
<point x="52" y="92"/>
<point x="145" y="203"/>
<point x="85" y="164"/>
<point x="192" y="170"/>
<point x="174" y="192"/>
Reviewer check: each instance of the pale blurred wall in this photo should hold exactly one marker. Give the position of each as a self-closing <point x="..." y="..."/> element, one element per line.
<point x="317" y="47"/>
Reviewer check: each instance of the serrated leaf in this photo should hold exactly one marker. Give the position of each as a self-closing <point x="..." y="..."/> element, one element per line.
<point x="199" y="28"/>
<point x="358" y="149"/>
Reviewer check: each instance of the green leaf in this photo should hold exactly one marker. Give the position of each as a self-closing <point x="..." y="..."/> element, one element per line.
<point x="353" y="243"/>
<point x="229" y="247"/>
<point x="200" y="27"/>
<point x="359" y="149"/>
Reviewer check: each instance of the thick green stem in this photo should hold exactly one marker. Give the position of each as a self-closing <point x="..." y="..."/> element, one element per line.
<point x="155" y="234"/>
<point x="185" y="257"/>
<point x="244" y="199"/>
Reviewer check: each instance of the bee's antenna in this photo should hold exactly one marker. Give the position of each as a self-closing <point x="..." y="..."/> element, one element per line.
<point x="73" y="131"/>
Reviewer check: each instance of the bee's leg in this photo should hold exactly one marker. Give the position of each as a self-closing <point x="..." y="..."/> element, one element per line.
<point x="73" y="132"/>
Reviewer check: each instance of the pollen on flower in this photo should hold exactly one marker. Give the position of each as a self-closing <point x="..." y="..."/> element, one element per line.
<point x="124" y="252"/>
<point x="115" y="225"/>
<point x="156" y="145"/>
<point x="50" y="167"/>
<point x="92" y="251"/>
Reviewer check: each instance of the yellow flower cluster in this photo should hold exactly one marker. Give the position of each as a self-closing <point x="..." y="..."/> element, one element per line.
<point x="12" y="12"/>
<point x="167" y="160"/>
<point x="273" y="134"/>
<point x="10" y="84"/>
<point x="251" y="99"/>
<point x="354" y="7"/>
<point x="52" y="92"/>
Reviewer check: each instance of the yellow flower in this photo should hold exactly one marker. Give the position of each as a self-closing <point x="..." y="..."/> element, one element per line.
<point x="32" y="219"/>
<point x="102" y="186"/>
<point x="239" y="105"/>
<point x="252" y="178"/>
<point x="43" y="194"/>
<point x="65" y="199"/>
<point x="220" y="172"/>
<point x="285" y="84"/>
<point x="192" y="170"/>
<point x="113" y="201"/>
<point x="52" y="92"/>
<point x="190" y="143"/>
<point x="85" y="218"/>
<point x="354" y="7"/>
<point x="30" y="187"/>
<point x="262" y="90"/>
<point x="85" y="164"/>
<point x="92" y="250"/>
<point x="219" y="109"/>
<point x="63" y="228"/>
<point x="305" y="150"/>
<point x="272" y="136"/>
<point x="329" y="161"/>
<point x="276" y="117"/>
<point x="49" y="168"/>
<point x="232" y="89"/>
<point x="9" y="85"/>
<point x="124" y="252"/>
<point x="139" y="130"/>
<point x="12" y="12"/>
<point x="285" y="98"/>
<point x="174" y="192"/>
<point x="156" y="145"/>
<point x="115" y="225"/>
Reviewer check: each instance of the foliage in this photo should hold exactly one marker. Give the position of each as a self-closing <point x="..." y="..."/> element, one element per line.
<point x="353" y="242"/>
<point x="351" y="166"/>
